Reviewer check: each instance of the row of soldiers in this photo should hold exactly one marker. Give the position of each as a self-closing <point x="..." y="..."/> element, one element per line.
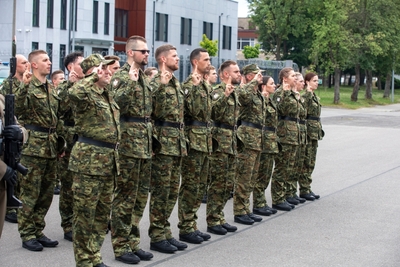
<point x="113" y="137"/>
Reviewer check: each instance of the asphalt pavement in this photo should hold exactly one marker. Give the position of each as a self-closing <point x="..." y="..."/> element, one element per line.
<point x="355" y="223"/>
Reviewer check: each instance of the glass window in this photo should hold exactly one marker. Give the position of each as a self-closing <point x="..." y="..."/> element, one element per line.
<point x="226" y="37"/>
<point x="95" y="20"/>
<point x="50" y="11"/>
<point x="106" y="18"/>
<point x="35" y="13"/>
<point x="121" y="23"/>
<point x="35" y="46"/>
<point x="186" y="31"/>
<point x="161" y="27"/>
<point x="63" y="15"/>
<point x="208" y="29"/>
<point x="62" y="56"/>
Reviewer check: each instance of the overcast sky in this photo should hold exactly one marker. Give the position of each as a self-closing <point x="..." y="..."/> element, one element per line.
<point x="242" y="8"/>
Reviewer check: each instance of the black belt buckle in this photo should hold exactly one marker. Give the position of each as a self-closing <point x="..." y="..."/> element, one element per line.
<point x="52" y="130"/>
<point x="147" y="119"/>
<point x="181" y="125"/>
<point x="116" y="146"/>
<point x="209" y="124"/>
<point x="235" y="127"/>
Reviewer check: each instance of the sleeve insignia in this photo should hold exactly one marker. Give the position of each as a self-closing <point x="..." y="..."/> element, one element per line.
<point x="278" y="99"/>
<point x="115" y="83"/>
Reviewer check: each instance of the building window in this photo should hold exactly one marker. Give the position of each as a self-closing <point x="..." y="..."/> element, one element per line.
<point x="95" y="16"/>
<point x="63" y="15"/>
<point x="35" y="46"/>
<point x="226" y="37"/>
<point x="161" y="27"/>
<point x="63" y="51"/>
<point x="106" y="18"/>
<point x="74" y="14"/>
<point x="35" y="13"/>
<point x="186" y="31"/>
<point x="49" y="50"/>
<point x="208" y="29"/>
<point x="242" y="42"/>
<point x="50" y="11"/>
<point x="121" y="23"/>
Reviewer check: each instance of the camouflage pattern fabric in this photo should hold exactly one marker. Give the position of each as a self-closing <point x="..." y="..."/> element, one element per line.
<point x="250" y="146"/>
<point x="170" y="146"/>
<point x="300" y="153"/>
<point x="270" y="148"/>
<point x="165" y="178"/>
<point x="141" y="202"/>
<point x="223" y="160"/>
<point x="310" y="156"/>
<point x="92" y="205"/>
<point x="5" y="86"/>
<point x="37" y="189"/>
<point x="96" y="116"/>
<point x="195" y="166"/>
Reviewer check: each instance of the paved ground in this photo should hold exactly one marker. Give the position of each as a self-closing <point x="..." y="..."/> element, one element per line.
<point x="355" y="223"/>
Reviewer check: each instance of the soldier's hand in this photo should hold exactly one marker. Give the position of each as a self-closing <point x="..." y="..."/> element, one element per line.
<point x="10" y="176"/>
<point x="165" y="75"/>
<point x="133" y="73"/>
<point x="27" y="76"/>
<point x="13" y="132"/>
<point x="196" y="77"/>
<point x="73" y="76"/>
<point x="258" y="77"/>
<point x="229" y="87"/>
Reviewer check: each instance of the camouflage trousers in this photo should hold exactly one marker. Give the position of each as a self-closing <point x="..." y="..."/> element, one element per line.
<point x="194" y="181"/>
<point x="66" y="196"/>
<point x="91" y="213"/>
<point x="222" y="173"/>
<point x="310" y="156"/>
<point x="36" y="194"/>
<point x="16" y="194"/>
<point x="248" y="161"/>
<point x="297" y="171"/>
<point x="284" y="164"/>
<point x="123" y="230"/>
<point x="165" y="179"/>
<point x="141" y="202"/>
<point x="262" y="178"/>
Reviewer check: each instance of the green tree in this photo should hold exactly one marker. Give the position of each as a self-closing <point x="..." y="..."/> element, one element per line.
<point x="251" y="51"/>
<point x="209" y="45"/>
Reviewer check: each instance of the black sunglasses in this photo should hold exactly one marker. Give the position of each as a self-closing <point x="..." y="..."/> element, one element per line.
<point x="142" y="51"/>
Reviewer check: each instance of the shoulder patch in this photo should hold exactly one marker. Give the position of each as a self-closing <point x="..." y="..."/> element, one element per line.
<point x="186" y="91"/>
<point x="215" y="96"/>
<point x="278" y="99"/>
<point x="115" y="82"/>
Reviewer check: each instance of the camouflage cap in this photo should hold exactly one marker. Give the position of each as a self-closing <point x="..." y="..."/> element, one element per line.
<point x="252" y="68"/>
<point x="94" y="60"/>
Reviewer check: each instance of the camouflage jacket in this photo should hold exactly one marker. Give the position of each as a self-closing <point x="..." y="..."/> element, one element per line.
<point x="270" y="140"/>
<point x="302" y="122"/>
<point x="168" y="106"/>
<point x="134" y="100"/>
<point x="198" y="106"/>
<point x="5" y="86"/>
<point x="66" y="121"/>
<point x="225" y="112"/>
<point x="252" y="111"/>
<point x="287" y="103"/>
<point x="96" y="116"/>
<point x="37" y="104"/>
<point x="314" y="126"/>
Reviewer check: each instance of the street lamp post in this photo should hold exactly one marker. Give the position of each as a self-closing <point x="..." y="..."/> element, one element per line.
<point x="219" y="38"/>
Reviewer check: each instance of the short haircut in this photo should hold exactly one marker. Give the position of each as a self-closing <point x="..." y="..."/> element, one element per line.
<point x="162" y="49"/>
<point x="225" y="65"/>
<point x="35" y="53"/>
<point x="55" y="73"/>
<point x="309" y="76"/>
<point x="209" y="70"/>
<point x="148" y="70"/>
<point x="71" y="58"/>
<point x="195" y="54"/>
<point x="112" y="57"/>
<point x="132" y="41"/>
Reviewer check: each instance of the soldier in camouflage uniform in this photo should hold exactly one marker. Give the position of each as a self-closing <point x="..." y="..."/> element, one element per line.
<point x="314" y="134"/>
<point x="22" y="65"/>
<point x="133" y="95"/>
<point x="287" y="102"/>
<point x="37" y="104"/>
<point x="269" y="150"/>
<point x="249" y="143"/>
<point x="72" y="63"/>
<point x="94" y="159"/>
<point x="291" y="194"/>
<point x="225" y="114"/>
<point x="198" y="130"/>
<point x="169" y="148"/>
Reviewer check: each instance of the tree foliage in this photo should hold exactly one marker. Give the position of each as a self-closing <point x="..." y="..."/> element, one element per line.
<point x="209" y="45"/>
<point x="251" y="51"/>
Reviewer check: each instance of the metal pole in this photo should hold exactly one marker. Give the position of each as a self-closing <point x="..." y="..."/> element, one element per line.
<point x="154" y="24"/>
<point x="73" y="25"/>
<point x="219" y="38"/>
<point x="393" y="81"/>
<point x="13" y="47"/>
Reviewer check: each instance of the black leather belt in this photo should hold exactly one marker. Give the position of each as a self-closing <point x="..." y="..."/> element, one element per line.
<point x="286" y="118"/>
<point x="69" y="123"/>
<point x="302" y="122"/>
<point x="94" y="142"/>
<point x="135" y="119"/>
<point x="179" y="125"/>
<point x="225" y="126"/>
<point x="199" y="123"/>
<point x="271" y="129"/>
<point x="313" y="118"/>
<point x="250" y="124"/>
<point x="40" y="128"/>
